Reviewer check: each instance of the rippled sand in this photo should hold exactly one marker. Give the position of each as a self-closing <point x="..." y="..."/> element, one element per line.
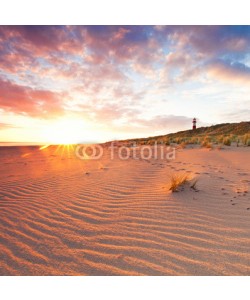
<point x="63" y="216"/>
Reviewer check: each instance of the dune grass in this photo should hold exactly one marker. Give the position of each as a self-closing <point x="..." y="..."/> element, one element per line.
<point x="182" y="145"/>
<point x="224" y="134"/>
<point x="177" y="180"/>
<point x="194" y="185"/>
<point x="207" y="144"/>
<point x="227" y="141"/>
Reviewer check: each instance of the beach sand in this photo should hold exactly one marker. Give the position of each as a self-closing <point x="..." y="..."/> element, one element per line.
<point x="60" y="215"/>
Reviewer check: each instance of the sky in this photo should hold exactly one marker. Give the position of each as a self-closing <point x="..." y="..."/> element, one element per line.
<point x="74" y="84"/>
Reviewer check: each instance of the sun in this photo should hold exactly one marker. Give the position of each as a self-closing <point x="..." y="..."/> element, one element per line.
<point x="65" y="132"/>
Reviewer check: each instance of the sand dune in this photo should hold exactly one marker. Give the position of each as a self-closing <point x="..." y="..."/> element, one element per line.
<point x="60" y="215"/>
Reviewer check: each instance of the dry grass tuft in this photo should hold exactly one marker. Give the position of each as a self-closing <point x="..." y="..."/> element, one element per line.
<point x="193" y="185"/>
<point x="182" y="145"/>
<point x="178" y="180"/>
<point x="220" y="147"/>
<point x="207" y="144"/>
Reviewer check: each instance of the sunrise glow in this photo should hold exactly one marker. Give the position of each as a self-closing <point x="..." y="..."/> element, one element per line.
<point x="69" y="84"/>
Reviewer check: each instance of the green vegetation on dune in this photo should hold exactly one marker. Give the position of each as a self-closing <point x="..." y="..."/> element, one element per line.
<point x="225" y="134"/>
<point x="215" y="130"/>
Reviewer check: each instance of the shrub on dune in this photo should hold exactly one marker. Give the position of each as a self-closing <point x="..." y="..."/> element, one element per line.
<point x="246" y="139"/>
<point x="194" y="140"/>
<point x="227" y="141"/>
<point x="206" y="144"/>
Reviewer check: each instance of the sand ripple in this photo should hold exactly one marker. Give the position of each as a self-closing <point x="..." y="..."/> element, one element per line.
<point x="119" y="219"/>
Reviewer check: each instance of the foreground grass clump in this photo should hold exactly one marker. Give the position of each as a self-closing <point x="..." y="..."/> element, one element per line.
<point x="177" y="180"/>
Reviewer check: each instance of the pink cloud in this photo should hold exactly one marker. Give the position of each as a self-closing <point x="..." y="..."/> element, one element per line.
<point x="24" y="100"/>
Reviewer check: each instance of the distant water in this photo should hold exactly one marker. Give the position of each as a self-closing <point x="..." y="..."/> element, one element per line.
<point x="20" y="144"/>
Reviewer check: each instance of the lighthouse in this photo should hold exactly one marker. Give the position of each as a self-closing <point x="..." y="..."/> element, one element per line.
<point x="194" y="123"/>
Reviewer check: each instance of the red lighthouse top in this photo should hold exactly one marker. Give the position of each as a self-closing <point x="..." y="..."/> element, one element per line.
<point x="194" y="123"/>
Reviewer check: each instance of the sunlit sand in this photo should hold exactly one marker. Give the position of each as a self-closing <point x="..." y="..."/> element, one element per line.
<point x="60" y="215"/>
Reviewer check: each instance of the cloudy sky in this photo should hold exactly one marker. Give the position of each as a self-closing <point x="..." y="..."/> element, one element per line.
<point x="97" y="83"/>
